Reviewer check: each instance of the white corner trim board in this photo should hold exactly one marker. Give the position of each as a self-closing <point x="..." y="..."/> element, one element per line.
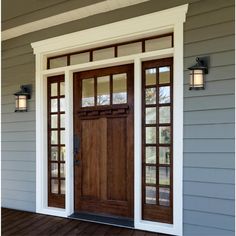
<point x="101" y="7"/>
<point x="138" y="27"/>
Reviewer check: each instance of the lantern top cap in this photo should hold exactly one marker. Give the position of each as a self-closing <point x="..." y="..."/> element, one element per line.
<point x="200" y="65"/>
<point x="25" y="91"/>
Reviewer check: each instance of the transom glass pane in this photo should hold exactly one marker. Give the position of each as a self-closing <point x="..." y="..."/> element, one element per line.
<point x="150" y="76"/>
<point x="103" y="90"/>
<point x="150" y="195"/>
<point x="119" y="88"/>
<point x="79" y="58"/>
<point x="150" y="155"/>
<point x="88" y="92"/>
<point x="158" y="43"/>
<point x="129" y="49"/>
<point x="150" y="175"/>
<point x="58" y="62"/>
<point x="103" y="54"/>
<point x="164" y="75"/>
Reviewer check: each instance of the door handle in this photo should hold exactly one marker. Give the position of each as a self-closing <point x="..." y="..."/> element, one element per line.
<point x="76" y="149"/>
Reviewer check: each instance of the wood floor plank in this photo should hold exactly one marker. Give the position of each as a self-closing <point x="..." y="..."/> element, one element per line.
<point x="102" y="230"/>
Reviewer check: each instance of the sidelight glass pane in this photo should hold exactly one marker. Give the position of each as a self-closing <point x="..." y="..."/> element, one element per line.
<point x="103" y="54"/>
<point x="54" y="170"/>
<point x="164" y="196"/>
<point x="119" y="88"/>
<point x="62" y="153"/>
<point x="54" y="89"/>
<point x="164" y="94"/>
<point x="62" y="137"/>
<point x="150" y="195"/>
<point x="164" y="175"/>
<point x="164" y="135"/>
<point x="164" y="155"/>
<point x="63" y="187"/>
<point x="158" y="43"/>
<point x="54" y="137"/>
<point x="79" y="58"/>
<point x="164" y="75"/>
<point x="150" y="76"/>
<point x="151" y="115"/>
<point x="150" y="155"/>
<point x="62" y="88"/>
<point x="150" y="96"/>
<point x="150" y="175"/>
<point x="103" y="90"/>
<point x="164" y="115"/>
<point x="62" y="170"/>
<point x="58" y="62"/>
<point x="129" y="49"/>
<point x="150" y="135"/>
<point x="62" y="121"/>
<point x="54" y="153"/>
<point x="54" y="186"/>
<point x="54" y="121"/>
<point x="54" y="105"/>
<point x="62" y="104"/>
<point x="88" y="92"/>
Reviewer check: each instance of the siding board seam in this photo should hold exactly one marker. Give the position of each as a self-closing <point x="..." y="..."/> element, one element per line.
<point x="208" y="212"/>
<point x="217" y="198"/>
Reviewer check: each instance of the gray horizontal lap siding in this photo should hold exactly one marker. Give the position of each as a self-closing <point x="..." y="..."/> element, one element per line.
<point x="208" y="114"/>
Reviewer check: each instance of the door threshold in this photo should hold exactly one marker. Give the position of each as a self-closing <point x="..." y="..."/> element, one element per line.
<point x="107" y="220"/>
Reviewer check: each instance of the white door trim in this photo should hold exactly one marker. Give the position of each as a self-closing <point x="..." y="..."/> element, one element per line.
<point x="151" y="24"/>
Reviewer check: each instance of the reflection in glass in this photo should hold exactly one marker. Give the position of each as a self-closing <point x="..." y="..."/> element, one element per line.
<point x="63" y="153"/>
<point x="164" y="155"/>
<point x="150" y="76"/>
<point x="164" y="175"/>
<point x="54" y="139"/>
<point x="53" y="121"/>
<point x="54" y="186"/>
<point x="62" y="104"/>
<point x="103" y="90"/>
<point x="150" y="195"/>
<point x="53" y="89"/>
<point x="62" y="121"/>
<point x="150" y="115"/>
<point x="164" y="115"/>
<point x="54" y="153"/>
<point x="164" y="196"/>
<point x="150" y="175"/>
<point x="150" y="135"/>
<point x="62" y="186"/>
<point x="164" y="135"/>
<point x="54" y="106"/>
<point x="164" y="75"/>
<point x="164" y="94"/>
<point x="62" y="136"/>
<point x="62" y="88"/>
<point x="119" y="88"/>
<point x="54" y="170"/>
<point x="150" y="155"/>
<point x="150" y="95"/>
<point x="88" y="92"/>
<point x="62" y="170"/>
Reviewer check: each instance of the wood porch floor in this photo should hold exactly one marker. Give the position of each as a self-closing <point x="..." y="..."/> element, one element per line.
<point x="19" y="223"/>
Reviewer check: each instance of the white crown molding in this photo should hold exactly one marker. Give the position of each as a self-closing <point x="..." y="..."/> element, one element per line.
<point x="104" y="6"/>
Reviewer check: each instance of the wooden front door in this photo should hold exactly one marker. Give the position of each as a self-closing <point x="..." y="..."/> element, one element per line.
<point x="103" y="141"/>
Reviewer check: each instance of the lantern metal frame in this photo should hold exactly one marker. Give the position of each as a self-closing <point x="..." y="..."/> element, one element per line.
<point x="25" y="91"/>
<point x="202" y="65"/>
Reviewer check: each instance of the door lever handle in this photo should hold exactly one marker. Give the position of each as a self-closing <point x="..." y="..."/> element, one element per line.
<point x="77" y="162"/>
<point x="76" y="144"/>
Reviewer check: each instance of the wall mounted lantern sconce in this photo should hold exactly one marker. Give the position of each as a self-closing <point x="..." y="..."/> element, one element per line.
<point x="21" y="98"/>
<point x="197" y="73"/>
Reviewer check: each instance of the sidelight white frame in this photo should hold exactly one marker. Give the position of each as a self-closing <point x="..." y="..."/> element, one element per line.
<point x="126" y="30"/>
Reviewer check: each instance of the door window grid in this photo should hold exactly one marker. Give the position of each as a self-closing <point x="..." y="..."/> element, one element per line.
<point x="56" y="141"/>
<point x="157" y="138"/>
<point x="112" y="51"/>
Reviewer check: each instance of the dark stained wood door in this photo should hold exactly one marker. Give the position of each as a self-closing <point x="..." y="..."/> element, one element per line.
<point x="103" y="129"/>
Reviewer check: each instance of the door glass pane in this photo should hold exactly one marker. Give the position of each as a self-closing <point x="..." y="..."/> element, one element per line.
<point x="150" y="175"/>
<point x="62" y="121"/>
<point x="158" y="43"/>
<point x="150" y="195"/>
<point x="119" y="88"/>
<point x="62" y="88"/>
<point x="150" y="95"/>
<point x="164" y="75"/>
<point x="62" y="170"/>
<point x="62" y="136"/>
<point x="63" y="187"/>
<point x="103" y="90"/>
<point x="54" y="107"/>
<point x="164" y="135"/>
<point x="150" y="115"/>
<point x="54" y="186"/>
<point x="164" y="196"/>
<point x="54" y="138"/>
<point x="164" y="155"/>
<point x="164" y="175"/>
<point x="103" y="54"/>
<point x="53" y="89"/>
<point x="54" y="153"/>
<point x="164" y="115"/>
<point x="150" y="76"/>
<point x="88" y="92"/>
<point x="79" y="58"/>
<point x="54" y="121"/>
<point x="54" y="170"/>
<point x="150" y="155"/>
<point x="150" y="135"/>
<point x="63" y="153"/>
<point x="128" y="49"/>
<point x="164" y="94"/>
<point x="62" y="104"/>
